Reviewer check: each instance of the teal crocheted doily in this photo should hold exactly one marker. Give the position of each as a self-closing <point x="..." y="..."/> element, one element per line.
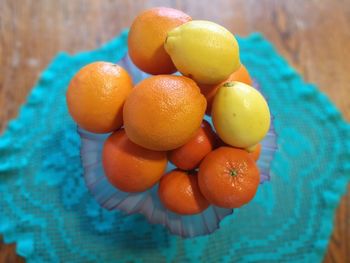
<point x="46" y="209"/>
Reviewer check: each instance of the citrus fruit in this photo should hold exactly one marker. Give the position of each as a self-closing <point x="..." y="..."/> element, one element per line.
<point x="204" y="51"/>
<point x="96" y="95"/>
<point x="130" y="167"/>
<point x="163" y="112"/>
<point x="189" y="155"/>
<point x="209" y="91"/>
<point x="242" y="75"/>
<point x="240" y="114"/>
<point x="228" y="177"/>
<point x="179" y="192"/>
<point x="147" y="36"/>
<point x="255" y="151"/>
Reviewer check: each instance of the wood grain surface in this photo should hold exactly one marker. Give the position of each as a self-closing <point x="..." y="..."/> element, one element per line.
<point x="312" y="35"/>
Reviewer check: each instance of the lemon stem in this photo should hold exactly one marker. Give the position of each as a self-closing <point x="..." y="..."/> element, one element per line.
<point x="228" y="84"/>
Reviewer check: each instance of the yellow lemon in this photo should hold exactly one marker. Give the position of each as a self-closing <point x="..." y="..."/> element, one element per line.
<point x="203" y="51"/>
<point x="240" y="115"/>
<point x="252" y="148"/>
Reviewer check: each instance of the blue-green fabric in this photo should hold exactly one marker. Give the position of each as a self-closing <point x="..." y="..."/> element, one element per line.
<point x="46" y="209"/>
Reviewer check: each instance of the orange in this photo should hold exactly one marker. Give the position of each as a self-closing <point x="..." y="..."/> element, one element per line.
<point x="228" y="177"/>
<point x="256" y="152"/>
<point x="179" y="192"/>
<point x="147" y="35"/>
<point x="209" y="91"/>
<point x="241" y="75"/>
<point x="96" y="95"/>
<point x="189" y="156"/>
<point x="163" y="112"/>
<point x="130" y="167"/>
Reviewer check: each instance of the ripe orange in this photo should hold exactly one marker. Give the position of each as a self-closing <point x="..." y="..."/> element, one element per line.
<point x="256" y="152"/>
<point x="147" y="36"/>
<point x="179" y="192"/>
<point x="163" y="112"/>
<point x="130" y="167"/>
<point x="189" y="155"/>
<point x="96" y="95"/>
<point x="209" y="91"/>
<point x="228" y="177"/>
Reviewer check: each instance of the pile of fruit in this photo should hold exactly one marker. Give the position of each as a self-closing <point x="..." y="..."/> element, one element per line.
<point x="161" y="118"/>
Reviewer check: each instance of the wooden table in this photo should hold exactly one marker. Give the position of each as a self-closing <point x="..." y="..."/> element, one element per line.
<point x="314" y="36"/>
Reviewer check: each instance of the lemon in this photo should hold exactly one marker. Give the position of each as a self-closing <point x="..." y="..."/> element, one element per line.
<point x="251" y="148"/>
<point x="240" y="115"/>
<point x="203" y="51"/>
